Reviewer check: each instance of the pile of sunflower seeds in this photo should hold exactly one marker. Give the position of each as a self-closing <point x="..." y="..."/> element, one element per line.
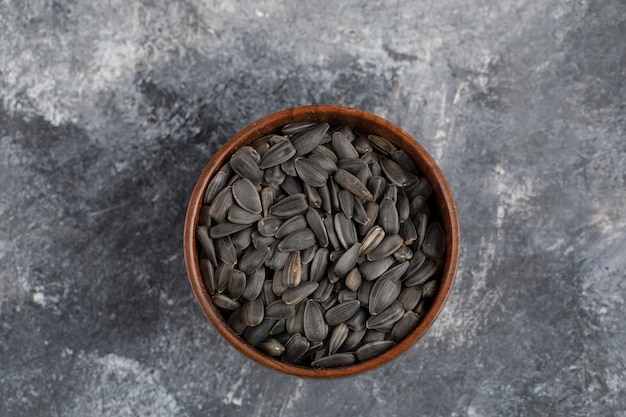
<point x="318" y="244"/>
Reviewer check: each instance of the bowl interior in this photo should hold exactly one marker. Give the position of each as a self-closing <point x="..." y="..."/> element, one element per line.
<point x="361" y="121"/>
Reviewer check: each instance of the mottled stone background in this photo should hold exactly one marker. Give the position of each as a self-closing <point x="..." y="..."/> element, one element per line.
<point x="110" y="109"/>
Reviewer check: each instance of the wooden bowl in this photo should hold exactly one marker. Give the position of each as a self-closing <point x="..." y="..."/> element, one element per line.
<point x="364" y="122"/>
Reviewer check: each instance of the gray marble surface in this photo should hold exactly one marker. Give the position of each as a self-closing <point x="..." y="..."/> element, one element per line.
<point x="109" y="111"/>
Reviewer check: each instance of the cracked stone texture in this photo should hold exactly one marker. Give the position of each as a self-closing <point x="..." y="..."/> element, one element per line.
<point x="110" y="110"/>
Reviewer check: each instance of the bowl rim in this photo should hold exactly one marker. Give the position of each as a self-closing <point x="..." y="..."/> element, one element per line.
<point x="334" y="115"/>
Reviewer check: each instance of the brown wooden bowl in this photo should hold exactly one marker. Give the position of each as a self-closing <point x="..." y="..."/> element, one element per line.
<point x="364" y="122"/>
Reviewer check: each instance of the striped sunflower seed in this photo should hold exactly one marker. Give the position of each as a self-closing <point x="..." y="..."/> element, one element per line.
<point x="297" y="240"/>
<point x="328" y="164"/>
<point x="267" y="293"/>
<point x="345" y="230"/>
<point x="278" y="310"/>
<point x="235" y="322"/>
<point x="308" y="254"/>
<point x="295" y="348"/>
<point x="291" y="225"/>
<point x="351" y="183"/>
<point x="305" y="141"/>
<point x="404" y="253"/>
<point x="397" y="272"/>
<point x="222" y="276"/>
<point x="352" y="165"/>
<point x="292" y="272"/>
<point x="319" y="265"/>
<point x="243" y="238"/>
<point x="277" y="260"/>
<point x="395" y="173"/>
<point x="334" y="361"/>
<point x="342" y="312"/>
<point x="326" y="201"/>
<point x="384" y="321"/>
<point x="409" y="297"/>
<point x="423" y="274"/>
<point x="294" y="295"/>
<point x="238" y="215"/>
<point x="280" y="327"/>
<point x="217" y="183"/>
<point x="253" y="312"/>
<point x="346" y="295"/>
<point x="370" y="270"/>
<point x="202" y="235"/>
<point x="315" y="200"/>
<point x="337" y="337"/>
<point x="278" y="284"/>
<point x="358" y="320"/>
<point x="372" y="335"/>
<point x="362" y="145"/>
<point x="391" y="192"/>
<point x="221" y="203"/>
<point x="363" y="293"/>
<point x="310" y="172"/>
<point x="295" y="323"/>
<point x="423" y="188"/>
<point x="404" y="326"/>
<point x="382" y="144"/>
<point x="360" y="215"/>
<point x="323" y="292"/>
<point x="421" y="224"/>
<point x="354" y="338"/>
<point x="226" y="250"/>
<point x="343" y="147"/>
<point x="371" y="209"/>
<point x="267" y="200"/>
<point x="252" y="260"/>
<point x="347" y="261"/>
<point x="292" y="185"/>
<point x="204" y="218"/>
<point x="272" y="347"/>
<point x="403" y="206"/>
<point x="247" y="196"/>
<point x="257" y="334"/>
<point x="346" y="131"/>
<point x="226" y="229"/>
<point x="373" y="349"/>
<point x="207" y="270"/>
<point x="277" y="154"/>
<point x="254" y="284"/>
<point x="402" y="158"/>
<point x="274" y="175"/>
<point x="346" y="201"/>
<point x="434" y="245"/>
<point x="353" y="279"/>
<point x="383" y="294"/>
<point x="225" y="303"/>
<point x="316" y="224"/>
<point x="289" y="168"/>
<point x="268" y="226"/>
<point x="388" y="217"/>
<point x="372" y="239"/>
<point x="387" y="247"/>
<point x="296" y="127"/>
<point x="236" y="284"/>
<point x="315" y="328"/>
<point x="244" y="164"/>
<point x="408" y="232"/>
<point x="330" y="231"/>
<point x="290" y="206"/>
